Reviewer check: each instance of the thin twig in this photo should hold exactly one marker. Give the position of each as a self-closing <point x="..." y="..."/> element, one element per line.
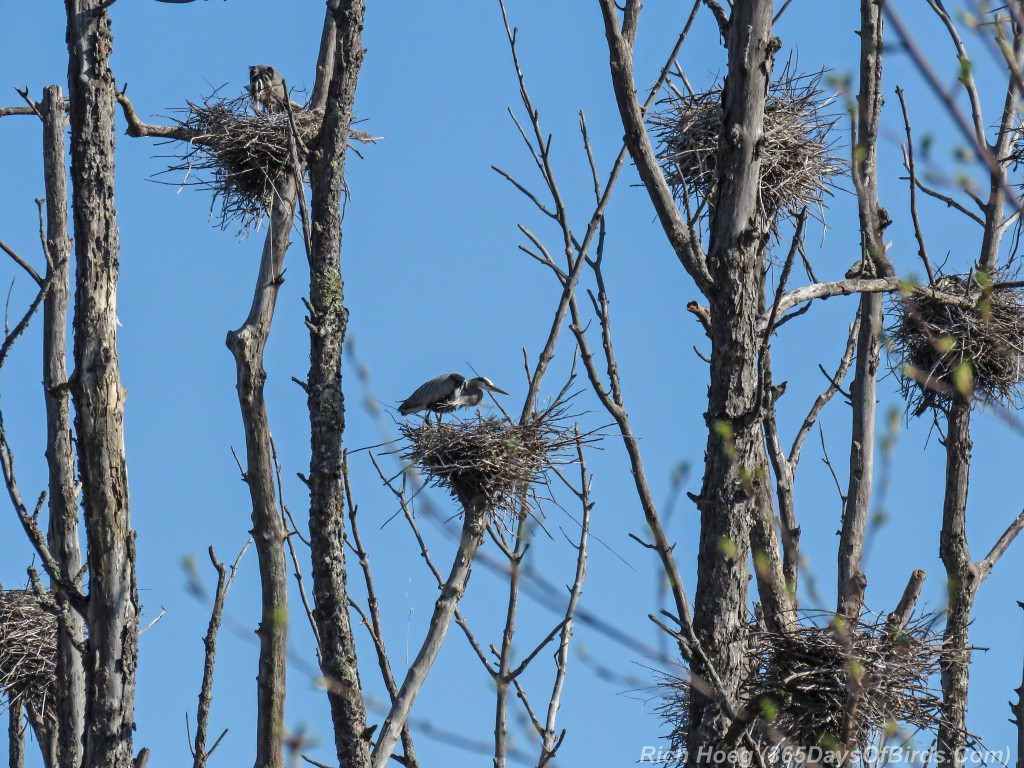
<point x="225" y="578"/>
<point x="297" y="170"/>
<point x="908" y="163"/>
<point x="550" y="743"/>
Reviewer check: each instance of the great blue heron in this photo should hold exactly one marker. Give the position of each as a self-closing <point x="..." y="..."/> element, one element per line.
<point x="448" y="392"/>
<point x="267" y="87"/>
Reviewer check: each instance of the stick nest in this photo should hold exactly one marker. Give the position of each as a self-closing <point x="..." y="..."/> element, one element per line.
<point x="28" y="652"/>
<point x="801" y="680"/>
<point x="492" y="458"/>
<point x="942" y="350"/>
<point x="797" y="161"/>
<point x="241" y="154"/>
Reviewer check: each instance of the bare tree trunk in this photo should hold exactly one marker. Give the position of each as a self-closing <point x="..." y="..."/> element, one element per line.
<point x="247" y="345"/>
<point x="962" y="582"/>
<point x="60" y="455"/>
<point x="328" y="321"/>
<point x="15" y="735"/>
<point x="852" y="581"/>
<point x="112" y="654"/>
<point x="736" y="469"/>
<point x="863" y="389"/>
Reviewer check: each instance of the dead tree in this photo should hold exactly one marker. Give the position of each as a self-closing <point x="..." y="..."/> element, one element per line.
<point x="863" y="389"/>
<point x="328" y="321"/>
<point x="62" y="535"/>
<point x="268" y="531"/>
<point x="112" y="648"/>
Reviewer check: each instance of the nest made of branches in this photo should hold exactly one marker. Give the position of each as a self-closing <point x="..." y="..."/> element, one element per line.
<point x="242" y="153"/>
<point x="972" y="350"/>
<point x="798" y="166"/>
<point x="28" y="652"/>
<point x="492" y="458"/>
<point x="802" y="678"/>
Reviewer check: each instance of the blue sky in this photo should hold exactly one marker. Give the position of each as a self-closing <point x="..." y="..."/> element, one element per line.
<point x="434" y="282"/>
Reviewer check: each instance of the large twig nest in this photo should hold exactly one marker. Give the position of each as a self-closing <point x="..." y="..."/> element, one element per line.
<point x="492" y="459"/>
<point x="241" y="153"/>
<point x="942" y="350"/>
<point x="797" y="163"/>
<point x="28" y="649"/>
<point x="800" y="683"/>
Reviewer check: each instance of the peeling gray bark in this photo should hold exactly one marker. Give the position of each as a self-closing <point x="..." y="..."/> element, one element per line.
<point x="736" y="471"/>
<point x="328" y="321"/>
<point x="247" y="345"/>
<point x="112" y="651"/>
<point x="62" y="535"/>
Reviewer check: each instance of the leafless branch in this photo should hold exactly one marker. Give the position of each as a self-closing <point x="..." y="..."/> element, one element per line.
<point x="722" y="18"/>
<point x="551" y="742"/>
<point x="703" y="315"/>
<point x="399" y="494"/>
<point x="972" y="129"/>
<point x="137" y="128"/>
<point x="835" y="385"/>
<point x="681" y="236"/>
<point x="908" y="163"/>
<point x="291" y="530"/>
<point x="899" y="617"/>
<point x="247" y="345"/>
<point x="30" y="524"/>
<point x="861" y="285"/>
<point x="568" y="302"/>
<point x="828" y="463"/>
<point x="373" y="620"/>
<point x="784" y="467"/>
<point x="21" y="263"/>
<point x="967" y="77"/>
<point x="14" y="333"/>
<point x="952" y="202"/>
<point x="8" y="111"/>
<point x="475" y="520"/>
<point x="999" y="548"/>
<point x="297" y="171"/>
<point x="225" y="578"/>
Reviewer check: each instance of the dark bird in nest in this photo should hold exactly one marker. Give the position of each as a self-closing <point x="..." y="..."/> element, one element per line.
<point x="448" y="392"/>
<point x="266" y="86"/>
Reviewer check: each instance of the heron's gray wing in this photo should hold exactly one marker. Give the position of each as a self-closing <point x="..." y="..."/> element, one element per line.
<point x="277" y="84"/>
<point x="434" y="391"/>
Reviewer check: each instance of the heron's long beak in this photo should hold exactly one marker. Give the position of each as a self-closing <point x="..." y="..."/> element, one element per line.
<point x="493" y="388"/>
